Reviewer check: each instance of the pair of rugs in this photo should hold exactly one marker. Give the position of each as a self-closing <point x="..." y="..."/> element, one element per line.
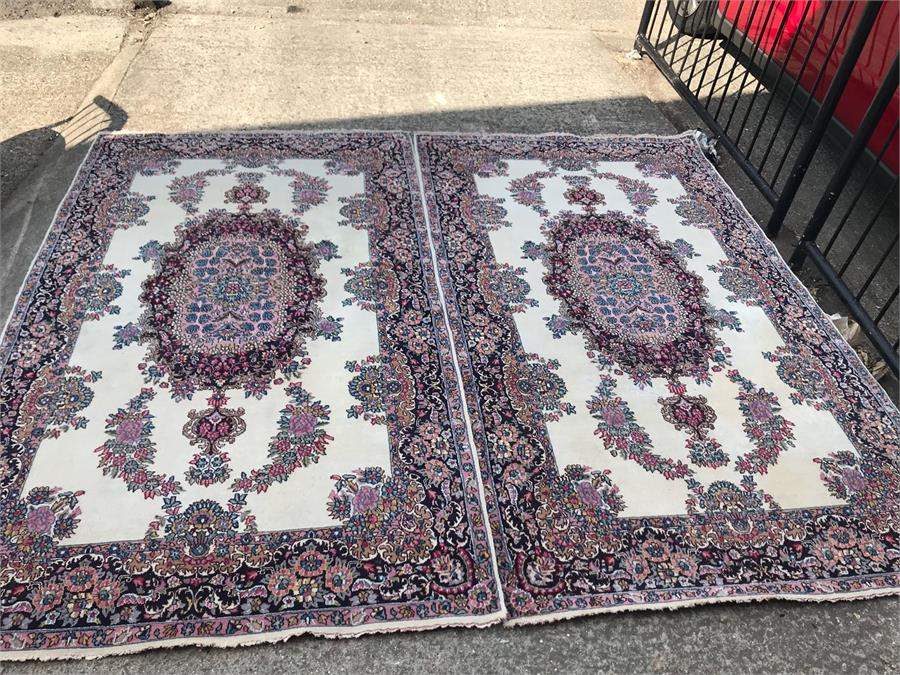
<point x="264" y="384"/>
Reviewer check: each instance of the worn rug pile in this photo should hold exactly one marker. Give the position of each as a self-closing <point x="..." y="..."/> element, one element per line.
<point x="264" y="384"/>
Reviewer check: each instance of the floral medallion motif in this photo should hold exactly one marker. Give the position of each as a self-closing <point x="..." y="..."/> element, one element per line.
<point x="212" y="429"/>
<point x="534" y="390"/>
<point x="383" y="388"/>
<point x="248" y="192"/>
<point x="731" y="515"/>
<point x="361" y="212"/>
<point x="57" y="399"/>
<point x="503" y="286"/>
<point x="484" y="212"/>
<point x="630" y="297"/>
<point x="209" y="523"/>
<point x="694" y="416"/>
<point x="131" y="210"/>
<point x="372" y="287"/>
<point x="232" y="301"/>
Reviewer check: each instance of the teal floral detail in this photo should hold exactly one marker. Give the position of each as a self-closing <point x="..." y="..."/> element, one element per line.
<point x="126" y="335"/>
<point x="771" y="433"/>
<point x="130" y="210"/>
<point x="623" y="436"/>
<point x="329" y="328"/>
<point x="129" y="453"/>
<point x="326" y="250"/>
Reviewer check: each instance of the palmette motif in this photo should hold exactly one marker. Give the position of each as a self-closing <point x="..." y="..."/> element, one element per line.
<point x="624" y="258"/>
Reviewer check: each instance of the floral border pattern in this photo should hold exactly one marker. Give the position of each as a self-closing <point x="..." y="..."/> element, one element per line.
<point x="134" y="594"/>
<point x="561" y="547"/>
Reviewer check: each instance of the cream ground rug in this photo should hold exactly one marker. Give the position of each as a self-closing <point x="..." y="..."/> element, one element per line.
<point x="264" y="384"/>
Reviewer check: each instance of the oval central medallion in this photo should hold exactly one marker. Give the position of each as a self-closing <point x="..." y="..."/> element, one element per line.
<point x="233" y="299"/>
<point x="629" y="295"/>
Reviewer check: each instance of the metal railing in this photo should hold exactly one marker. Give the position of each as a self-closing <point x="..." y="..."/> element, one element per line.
<point x="761" y="90"/>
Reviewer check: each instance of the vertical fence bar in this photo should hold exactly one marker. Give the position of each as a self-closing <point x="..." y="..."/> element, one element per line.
<point x="823" y="117"/>
<point x="860" y="140"/>
<point x="751" y="59"/>
<point x="859" y="193"/>
<point x="797" y="80"/>
<point x="644" y="24"/>
<point x="774" y="91"/>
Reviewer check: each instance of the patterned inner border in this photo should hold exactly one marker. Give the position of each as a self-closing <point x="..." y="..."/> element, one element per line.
<point x="121" y="586"/>
<point x="705" y="557"/>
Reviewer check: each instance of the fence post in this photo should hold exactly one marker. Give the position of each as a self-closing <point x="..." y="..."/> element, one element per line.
<point x="645" y="23"/>
<point x="823" y="117"/>
<point x="860" y="140"/>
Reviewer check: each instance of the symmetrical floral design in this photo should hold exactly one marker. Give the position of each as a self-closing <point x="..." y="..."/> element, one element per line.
<point x="535" y="392"/>
<point x="361" y="212"/>
<point x="55" y="401"/>
<point x="482" y="211"/>
<point x="635" y="291"/>
<point x="504" y="287"/>
<point x="383" y="388"/>
<point x="631" y="298"/>
<point x="211" y="429"/>
<point x="97" y="289"/>
<point x="228" y="299"/>
<point x="372" y="287"/>
<point x="640" y="194"/>
<point x="694" y="416"/>
<point x="232" y="301"/>
<point x="622" y="435"/>
<point x="528" y="190"/>
<point x="247" y="192"/>
<point x="130" y="210"/>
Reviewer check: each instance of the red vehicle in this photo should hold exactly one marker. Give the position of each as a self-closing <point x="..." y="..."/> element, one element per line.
<point x="823" y="29"/>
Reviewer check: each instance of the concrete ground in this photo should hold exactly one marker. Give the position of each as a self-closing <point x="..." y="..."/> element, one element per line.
<point x="464" y="65"/>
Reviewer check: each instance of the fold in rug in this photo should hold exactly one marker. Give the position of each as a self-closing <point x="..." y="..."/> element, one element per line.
<point x="245" y="382"/>
<point x="663" y="415"/>
<point x="230" y="408"/>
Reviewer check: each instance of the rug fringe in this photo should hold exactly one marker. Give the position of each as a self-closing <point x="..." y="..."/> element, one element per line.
<point x="228" y="642"/>
<point x="700" y="602"/>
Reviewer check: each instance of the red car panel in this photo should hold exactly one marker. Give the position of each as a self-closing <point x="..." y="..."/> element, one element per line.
<point x="801" y="19"/>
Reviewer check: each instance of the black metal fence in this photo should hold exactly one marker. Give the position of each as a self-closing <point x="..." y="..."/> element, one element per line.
<point x="753" y="71"/>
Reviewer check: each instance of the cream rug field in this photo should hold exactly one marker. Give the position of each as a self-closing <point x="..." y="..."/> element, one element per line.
<point x="264" y="384"/>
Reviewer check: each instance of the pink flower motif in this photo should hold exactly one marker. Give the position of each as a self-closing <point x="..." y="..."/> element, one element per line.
<point x="760" y="410"/>
<point x="366" y="499"/>
<point x="853" y="480"/>
<point x="588" y="493"/>
<point x="614" y="417"/>
<point x="40" y="520"/>
<point x="300" y="425"/>
<point x="129" y="431"/>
